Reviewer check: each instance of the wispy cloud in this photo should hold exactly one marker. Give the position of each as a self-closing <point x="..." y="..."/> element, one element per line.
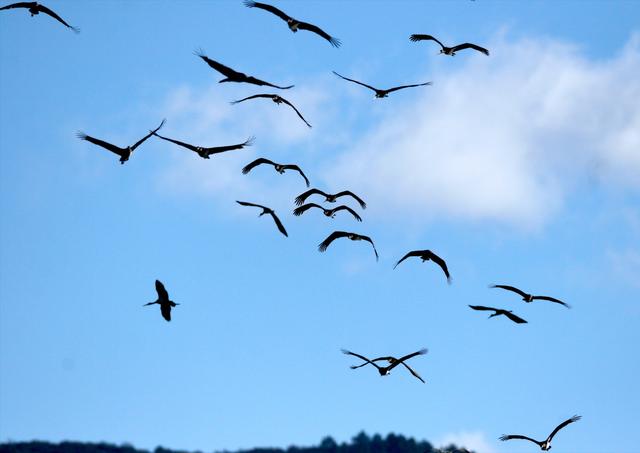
<point x="471" y="440"/>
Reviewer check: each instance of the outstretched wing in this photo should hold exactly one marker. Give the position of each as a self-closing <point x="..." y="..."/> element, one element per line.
<point x="440" y="262"/>
<point x="299" y="170"/>
<point x="510" y="288"/>
<point x="251" y="165"/>
<point x="221" y="149"/>
<point x="303" y="196"/>
<point x="511" y="316"/>
<point x="552" y="299"/>
<point x="304" y="208"/>
<point x="412" y="371"/>
<point x="246" y="203"/>
<point x="142" y="140"/>
<point x="177" y="142"/>
<point x="278" y="223"/>
<point x="47" y="11"/>
<point x="332" y="237"/>
<point x="222" y="69"/>
<point x="347" y="208"/>
<point x="366" y="361"/>
<point x="418" y="37"/>
<point x="18" y="5"/>
<point x="368" y="239"/>
<point x="108" y="146"/>
<point x="299" y="114"/>
<point x="468" y="45"/>
<point x="255" y="81"/>
<point x="575" y="418"/>
<point x="483" y="308"/>
<point x="162" y="292"/>
<point x="335" y="42"/>
<point x="363" y="205"/>
<point x="165" y="309"/>
<point x="391" y="90"/>
<point x="355" y="81"/>
<point x="409" y="255"/>
<point x="413" y="354"/>
<point x="518" y="436"/>
<point x="255" y="96"/>
<point x="264" y="6"/>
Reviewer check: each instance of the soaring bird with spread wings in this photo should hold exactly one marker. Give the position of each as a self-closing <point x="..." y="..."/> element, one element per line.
<point x="294" y="25"/>
<point x="393" y="362"/>
<point x="500" y="311"/>
<point x="163" y="300"/>
<point x="269" y="211"/>
<point x="330" y="198"/>
<point x="124" y="153"/>
<point x="275" y="98"/>
<point x="428" y="255"/>
<point x="343" y="234"/>
<point x="383" y="93"/>
<point x="205" y="152"/>
<point x="235" y="76"/>
<point x="327" y="212"/>
<point x="36" y="8"/>
<point x="448" y="50"/>
<point x="528" y="297"/>
<point x="544" y="445"/>
<point x="280" y="168"/>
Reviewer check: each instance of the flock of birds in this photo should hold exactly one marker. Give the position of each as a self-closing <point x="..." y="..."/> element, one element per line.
<point x="231" y="75"/>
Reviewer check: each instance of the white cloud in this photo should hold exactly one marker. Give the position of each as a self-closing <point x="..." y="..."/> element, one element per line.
<point x="474" y="441"/>
<point x="505" y="137"/>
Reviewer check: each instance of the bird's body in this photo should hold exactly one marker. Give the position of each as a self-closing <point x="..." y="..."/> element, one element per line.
<point x="293" y="24"/>
<point x="545" y="445"/>
<point x="529" y="297"/>
<point x="383" y="93"/>
<point x="124" y="153"/>
<point x="205" y="152"/>
<point x="331" y="213"/>
<point x="428" y="255"/>
<point x="277" y="99"/>
<point x="344" y="234"/>
<point x="235" y="76"/>
<point x="500" y="311"/>
<point x="448" y="50"/>
<point x="266" y="210"/>
<point x="392" y="361"/>
<point x="36" y="8"/>
<point x="329" y="198"/>
<point x="280" y="168"/>
<point x="163" y="300"/>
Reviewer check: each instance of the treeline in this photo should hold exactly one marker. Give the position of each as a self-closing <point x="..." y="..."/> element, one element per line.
<point x="361" y="443"/>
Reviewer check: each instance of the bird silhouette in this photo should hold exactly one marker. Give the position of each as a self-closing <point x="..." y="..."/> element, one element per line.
<point x="330" y="198"/>
<point x="275" y="98"/>
<point x="544" y="445"/>
<point x="280" y="168"/>
<point x="294" y="25"/>
<point x="383" y="93"/>
<point x="36" y="8"/>
<point x="206" y="152"/>
<point x="343" y="234"/>
<point x="427" y="255"/>
<point x="269" y="211"/>
<point x="393" y="362"/>
<point x="235" y="76"/>
<point x="124" y="153"/>
<point x="163" y="300"/>
<point x="327" y="212"/>
<point x="449" y="50"/>
<point x="528" y="297"/>
<point x="499" y="311"/>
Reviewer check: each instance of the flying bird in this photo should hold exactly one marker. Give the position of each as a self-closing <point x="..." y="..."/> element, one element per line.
<point x="343" y="234"/>
<point x="280" y="168"/>
<point x="426" y="255"/>
<point x="36" y="8"/>
<point x="327" y="212"/>
<point x="294" y="25"/>
<point x="330" y="198"/>
<point x="499" y="311"/>
<point x="528" y="297"/>
<point x="546" y="444"/>
<point x="449" y="50"/>
<point x="275" y="98"/>
<point x="206" y="152"/>
<point x="163" y="300"/>
<point x="269" y="211"/>
<point x="124" y="153"/>
<point x="383" y="93"/>
<point x="393" y="362"/>
<point x="234" y="76"/>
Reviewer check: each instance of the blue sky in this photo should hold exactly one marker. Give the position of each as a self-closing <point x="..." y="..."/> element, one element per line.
<point x="519" y="168"/>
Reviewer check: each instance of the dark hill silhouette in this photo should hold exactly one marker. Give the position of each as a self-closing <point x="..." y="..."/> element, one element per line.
<point x="361" y="443"/>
